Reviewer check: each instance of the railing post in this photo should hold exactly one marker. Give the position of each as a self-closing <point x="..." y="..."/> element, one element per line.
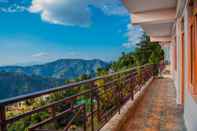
<point x="84" y="115"/>
<point x="92" y="106"/>
<point x="52" y="113"/>
<point x="98" y="108"/>
<point x="3" y="126"/>
<point x="119" y="94"/>
<point x="132" y="91"/>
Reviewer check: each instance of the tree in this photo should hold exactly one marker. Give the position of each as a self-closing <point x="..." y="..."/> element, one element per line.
<point x="145" y="52"/>
<point x="127" y="60"/>
<point x="148" y="52"/>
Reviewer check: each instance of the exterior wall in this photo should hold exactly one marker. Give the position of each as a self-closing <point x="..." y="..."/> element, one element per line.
<point x="167" y="54"/>
<point x="182" y="24"/>
<point x="171" y="58"/>
<point x="178" y="73"/>
<point x="190" y="112"/>
<point x="176" y="82"/>
<point x="173" y="71"/>
<point x="190" y="106"/>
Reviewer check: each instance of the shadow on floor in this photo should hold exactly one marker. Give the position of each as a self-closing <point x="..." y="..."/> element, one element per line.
<point x="158" y="110"/>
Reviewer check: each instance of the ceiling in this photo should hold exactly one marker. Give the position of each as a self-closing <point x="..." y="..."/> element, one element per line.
<point x="136" y="6"/>
<point x="162" y="29"/>
<point x="156" y="17"/>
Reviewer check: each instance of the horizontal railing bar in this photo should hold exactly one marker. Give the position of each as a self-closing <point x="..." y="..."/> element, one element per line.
<point x="108" y="89"/>
<point x="60" y="88"/>
<point x="67" y="99"/>
<point x="111" y="82"/>
<point x="108" y="112"/>
<point x="125" y="83"/>
<point x="118" y="79"/>
<point x="90" y="113"/>
<point x="70" y="122"/>
<point x="55" y="117"/>
<point x="39" y="109"/>
<point x="43" y="130"/>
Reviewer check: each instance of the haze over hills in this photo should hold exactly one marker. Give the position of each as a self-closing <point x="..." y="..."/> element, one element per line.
<point x="18" y="80"/>
<point x="62" y="68"/>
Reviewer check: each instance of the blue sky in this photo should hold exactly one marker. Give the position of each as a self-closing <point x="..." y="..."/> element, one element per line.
<point x="46" y="30"/>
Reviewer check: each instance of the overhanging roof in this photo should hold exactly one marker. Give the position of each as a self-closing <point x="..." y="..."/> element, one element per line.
<point x="161" y="39"/>
<point x="159" y="29"/>
<point x="136" y="6"/>
<point x="156" y="17"/>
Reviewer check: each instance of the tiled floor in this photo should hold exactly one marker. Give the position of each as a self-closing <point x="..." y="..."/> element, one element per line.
<point x="158" y="110"/>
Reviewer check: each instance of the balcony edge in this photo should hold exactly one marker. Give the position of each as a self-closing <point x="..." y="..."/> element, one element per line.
<point x="118" y="120"/>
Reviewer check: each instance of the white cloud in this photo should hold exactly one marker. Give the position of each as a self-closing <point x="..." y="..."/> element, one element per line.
<point x="63" y="12"/>
<point x="74" y="12"/>
<point x="110" y="7"/>
<point x="133" y="34"/>
<point x="127" y="45"/>
<point x="40" y="55"/>
<point x="13" y="8"/>
<point x="67" y="12"/>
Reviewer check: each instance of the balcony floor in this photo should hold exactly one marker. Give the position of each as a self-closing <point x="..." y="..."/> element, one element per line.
<point x="158" y="110"/>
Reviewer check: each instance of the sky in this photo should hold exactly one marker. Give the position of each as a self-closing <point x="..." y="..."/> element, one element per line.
<point x="39" y="31"/>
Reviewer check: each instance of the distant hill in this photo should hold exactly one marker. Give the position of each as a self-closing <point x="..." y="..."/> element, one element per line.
<point x="60" y="69"/>
<point x="18" y="80"/>
<point x="14" y="84"/>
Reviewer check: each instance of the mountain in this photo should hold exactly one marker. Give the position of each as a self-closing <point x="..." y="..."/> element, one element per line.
<point x="59" y="69"/>
<point x="19" y="80"/>
<point x="29" y="63"/>
<point x="14" y="84"/>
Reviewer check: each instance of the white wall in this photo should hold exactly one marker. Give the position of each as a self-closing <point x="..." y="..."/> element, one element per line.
<point x="167" y="54"/>
<point x="190" y="106"/>
<point x="173" y="72"/>
<point x="190" y="113"/>
<point x="178" y="73"/>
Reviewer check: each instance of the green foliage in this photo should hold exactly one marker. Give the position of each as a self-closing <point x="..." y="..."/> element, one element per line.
<point x="82" y="77"/>
<point x="148" y="52"/>
<point x="153" y="58"/>
<point x="145" y="52"/>
<point x="102" y="71"/>
<point x="127" y="60"/>
<point x="156" y="55"/>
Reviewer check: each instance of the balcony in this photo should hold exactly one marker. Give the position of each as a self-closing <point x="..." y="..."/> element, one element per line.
<point x="129" y="100"/>
<point x="158" y="109"/>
